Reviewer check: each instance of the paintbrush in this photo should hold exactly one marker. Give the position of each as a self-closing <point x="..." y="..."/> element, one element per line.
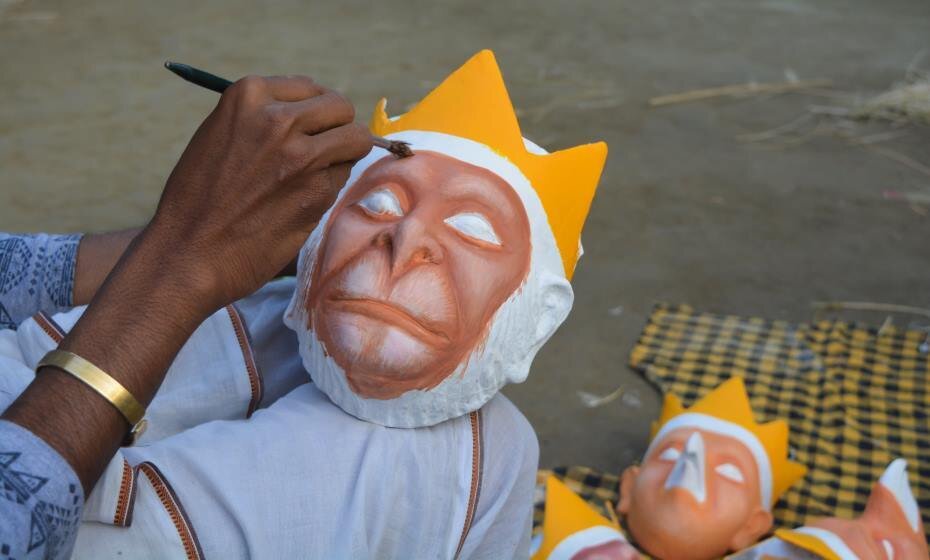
<point x="219" y="85"/>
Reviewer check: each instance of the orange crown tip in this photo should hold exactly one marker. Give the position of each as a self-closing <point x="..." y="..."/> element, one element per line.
<point x="599" y="148"/>
<point x="485" y="56"/>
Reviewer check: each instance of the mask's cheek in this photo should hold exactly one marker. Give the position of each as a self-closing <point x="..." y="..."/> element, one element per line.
<point x="348" y="336"/>
<point x="653" y="475"/>
<point x="646" y="490"/>
<point x="910" y="546"/>
<point x="482" y="282"/>
<point x="730" y="505"/>
<point x="347" y="235"/>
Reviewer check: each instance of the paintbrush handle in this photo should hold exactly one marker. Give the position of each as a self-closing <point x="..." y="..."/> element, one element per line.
<point x="199" y="77"/>
<point x="219" y="85"/>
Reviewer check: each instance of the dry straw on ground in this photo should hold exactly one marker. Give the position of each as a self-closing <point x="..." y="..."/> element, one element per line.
<point x="870" y="124"/>
<point x="908" y="101"/>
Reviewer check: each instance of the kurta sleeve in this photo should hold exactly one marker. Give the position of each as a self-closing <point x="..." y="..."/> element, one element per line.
<point x="41" y="498"/>
<point x="36" y="274"/>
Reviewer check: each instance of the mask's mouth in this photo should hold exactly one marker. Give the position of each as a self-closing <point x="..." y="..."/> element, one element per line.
<point x="392" y="314"/>
<point x="689" y="471"/>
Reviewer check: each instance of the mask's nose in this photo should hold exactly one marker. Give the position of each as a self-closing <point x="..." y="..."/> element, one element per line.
<point x="412" y="244"/>
<point x="688" y="472"/>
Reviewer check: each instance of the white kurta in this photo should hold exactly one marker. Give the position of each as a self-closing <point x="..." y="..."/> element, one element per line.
<point x="300" y="478"/>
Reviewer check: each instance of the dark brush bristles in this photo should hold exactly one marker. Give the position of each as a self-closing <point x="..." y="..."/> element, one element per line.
<point x="399" y="148"/>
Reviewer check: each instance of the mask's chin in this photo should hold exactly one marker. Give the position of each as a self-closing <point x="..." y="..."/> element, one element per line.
<point x="520" y="326"/>
<point x="413" y="408"/>
<point x="380" y="358"/>
<point x="374" y="348"/>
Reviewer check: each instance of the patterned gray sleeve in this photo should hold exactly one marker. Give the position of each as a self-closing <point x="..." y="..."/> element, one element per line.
<point x="40" y="498"/>
<point x="36" y="274"/>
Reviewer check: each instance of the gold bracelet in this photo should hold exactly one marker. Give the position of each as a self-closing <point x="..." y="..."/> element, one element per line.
<point x="103" y="384"/>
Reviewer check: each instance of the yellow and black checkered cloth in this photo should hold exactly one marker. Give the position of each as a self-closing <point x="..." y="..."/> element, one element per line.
<point x="855" y="397"/>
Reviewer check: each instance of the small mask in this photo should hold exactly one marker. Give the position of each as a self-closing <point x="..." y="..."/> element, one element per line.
<point x="890" y="528"/>
<point x="572" y="530"/>
<point x="709" y="478"/>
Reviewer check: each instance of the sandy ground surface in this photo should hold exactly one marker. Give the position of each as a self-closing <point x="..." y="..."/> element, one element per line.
<point x="91" y="124"/>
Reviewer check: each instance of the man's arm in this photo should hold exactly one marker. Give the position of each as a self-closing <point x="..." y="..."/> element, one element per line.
<point x="50" y="273"/>
<point x="36" y="274"/>
<point x="41" y="507"/>
<point x="256" y="177"/>
<point x="96" y="256"/>
<point x="98" y="253"/>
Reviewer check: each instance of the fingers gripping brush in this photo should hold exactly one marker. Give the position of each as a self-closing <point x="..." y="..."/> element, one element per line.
<point x="219" y="85"/>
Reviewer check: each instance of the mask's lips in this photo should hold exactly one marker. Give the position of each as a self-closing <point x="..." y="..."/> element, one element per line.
<point x="392" y="314"/>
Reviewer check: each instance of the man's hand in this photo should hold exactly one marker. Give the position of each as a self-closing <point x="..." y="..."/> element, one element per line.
<point x="254" y="181"/>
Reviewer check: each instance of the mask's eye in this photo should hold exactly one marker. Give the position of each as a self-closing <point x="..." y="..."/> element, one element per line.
<point x="381" y="202"/>
<point x="670" y="454"/>
<point x="730" y="471"/>
<point x="475" y="226"/>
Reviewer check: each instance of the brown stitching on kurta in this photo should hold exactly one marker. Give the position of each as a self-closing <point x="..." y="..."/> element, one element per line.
<point x="255" y="379"/>
<point x="476" y="474"/>
<point x="121" y="516"/>
<point x="49" y="326"/>
<point x="480" y="430"/>
<point x="173" y="506"/>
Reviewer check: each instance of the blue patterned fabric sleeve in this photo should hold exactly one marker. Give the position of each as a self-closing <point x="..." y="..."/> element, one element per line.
<point x="36" y="274"/>
<point x="40" y="498"/>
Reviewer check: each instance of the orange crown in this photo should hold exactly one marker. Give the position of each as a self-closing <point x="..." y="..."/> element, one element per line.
<point x="729" y="402"/>
<point x="473" y="103"/>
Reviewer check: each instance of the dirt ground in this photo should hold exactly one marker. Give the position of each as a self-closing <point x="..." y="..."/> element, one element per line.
<point x="688" y="210"/>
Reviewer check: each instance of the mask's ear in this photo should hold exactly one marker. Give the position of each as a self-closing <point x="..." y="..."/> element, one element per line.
<point x="556" y="299"/>
<point x="758" y="524"/>
<point x="627" y="480"/>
